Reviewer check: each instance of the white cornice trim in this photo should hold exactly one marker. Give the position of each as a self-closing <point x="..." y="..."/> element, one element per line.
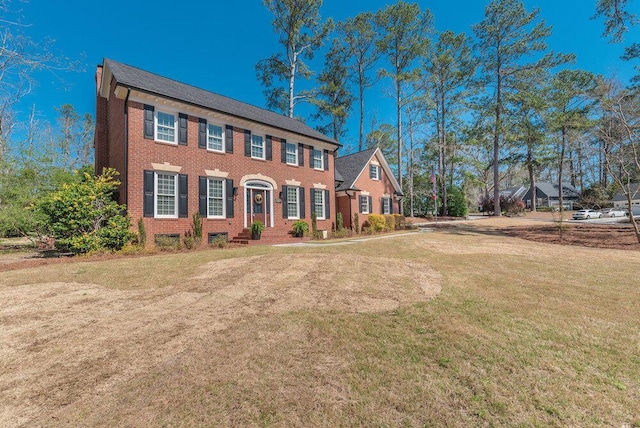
<point x="216" y="173"/>
<point x="293" y="183"/>
<point x="319" y="186"/>
<point x="166" y="167"/>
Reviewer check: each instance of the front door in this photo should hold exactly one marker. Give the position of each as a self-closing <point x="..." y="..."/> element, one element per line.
<point x="258" y="206"/>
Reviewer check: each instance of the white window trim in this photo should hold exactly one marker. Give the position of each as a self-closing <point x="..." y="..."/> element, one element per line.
<point x="295" y="152"/>
<point x="321" y="167"/>
<point x="297" y="216"/>
<point x="322" y="211"/>
<point x="176" y="125"/>
<point x="377" y="169"/>
<point x="209" y="123"/>
<point x="155" y="194"/>
<point x="224" y="208"/>
<point x="387" y="206"/>
<point x="264" y="147"/>
<point x="366" y="203"/>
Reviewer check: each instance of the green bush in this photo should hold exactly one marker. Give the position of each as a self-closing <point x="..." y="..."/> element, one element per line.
<point x="400" y="221"/>
<point x="82" y="217"/>
<point x="456" y="202"/>
<point x="377" y="222"/>
<point x="356" y="224"/>
<point x="339" y="222"/>
<point x="390" y="222"/>
<point x="142" y="233"/>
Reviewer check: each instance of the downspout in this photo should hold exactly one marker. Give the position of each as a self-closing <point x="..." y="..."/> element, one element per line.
<point x="125" y="175"/>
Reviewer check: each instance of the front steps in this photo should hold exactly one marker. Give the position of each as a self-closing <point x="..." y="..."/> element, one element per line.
<point x="268" y="237"/>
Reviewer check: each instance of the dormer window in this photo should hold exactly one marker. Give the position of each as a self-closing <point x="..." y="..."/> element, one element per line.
<point x="374" y="172"/>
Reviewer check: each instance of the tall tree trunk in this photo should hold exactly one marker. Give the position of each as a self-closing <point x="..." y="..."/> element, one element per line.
<point x="399" y="98"/>
<point x="560" y="173"/>
<point x="496" y="150"/>
<point x="443" y="154"/>
<point x="410" y="163"/>
<point x="292" y="78"/>
<point x="532" y="177"/>
<point x="361" y="92"/>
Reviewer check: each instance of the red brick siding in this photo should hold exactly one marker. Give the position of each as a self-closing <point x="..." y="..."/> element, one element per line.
<point x="194" y="160"/>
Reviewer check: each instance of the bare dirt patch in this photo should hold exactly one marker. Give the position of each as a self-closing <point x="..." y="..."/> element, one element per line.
<point x="63" y="345"/>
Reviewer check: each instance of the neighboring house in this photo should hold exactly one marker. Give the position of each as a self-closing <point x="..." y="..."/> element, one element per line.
<point x="620" y="199"/>
<point x="182" y="150"/>
<point x="514" y="192"/>
<point x="365" y="185"/>
<point x="547" y="195"/>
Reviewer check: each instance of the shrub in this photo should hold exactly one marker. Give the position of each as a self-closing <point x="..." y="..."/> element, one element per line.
<point x="82" y="217"/>
<point x="390" y="222"/>
<point x="377" y="222"/>
<point x="219" y="241"/>
<point x="314" y="227"/>
<point x="515" y="205"/>
<point x="188" y="240"/>
<point x="344" y="233"/>
<point x="356" y="223"/>
<point x="366" y="227"/>
<point x="167" y="242"/>
<point x="197" y="228"/>
<point x="400" y="221"/>
<point x="142" y="233"/>
<point x="300" y="228"/>
<point x="340" y="222"/>
<point x="456" y="202"/>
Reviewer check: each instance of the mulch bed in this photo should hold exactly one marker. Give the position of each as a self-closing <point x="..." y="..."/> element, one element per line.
<point x="597" y="236"/>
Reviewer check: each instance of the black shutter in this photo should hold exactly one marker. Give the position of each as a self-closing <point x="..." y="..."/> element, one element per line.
<point x="301" y="201"/>
<point x="183" y="121"/>
<point x="149" y="196"/>
<point x="228" y="135"/>
<point x="202" y="133"/>
<point x="360" y="204"/>
<point x="371" y="171"/>
<point x="202" y="198"/>
<point x="326" y="160"/>
<point x="390" y="206"/>
<point x="300" y="155"/>
<point x="269" y="147"/>
<point x="284" y="202"/>
<point x="311" y="149"/>
<point x="370" y="206"/>
<point x="229" y="197"/>
<point x="382" y="205"/>
<point x="148" y="122"/>
<point x="312" y="202"/>
<point x="283" y="150"/>
<point x="183" y="196"/>
<point x="327" y="205"/>
<point x="247" y="142"/>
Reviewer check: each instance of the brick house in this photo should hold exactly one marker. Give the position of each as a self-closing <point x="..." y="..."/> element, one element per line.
<point x="182" y="150"/>
<point x="365" y="185"/>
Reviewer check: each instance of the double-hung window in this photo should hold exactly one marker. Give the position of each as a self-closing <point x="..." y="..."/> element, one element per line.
<point x="318" y="159"/>
<point x="166" y="127"/>
<point x="293" y="209"/>
<point x="257" y="147"/>
<point x="215" y="198"/>
<point x="364" y="205"/>
<point x="214" y="137"/>
<point x="374" y="172"/>
<point x="386" y="205"/>
<point x="292" y="154"/>
<point x="166" y="191"/>
<point x="318" y="204"/>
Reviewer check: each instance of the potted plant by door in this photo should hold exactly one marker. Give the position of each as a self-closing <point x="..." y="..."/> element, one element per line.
<point x="300" y="228"/>
<point x="256" y="229"/>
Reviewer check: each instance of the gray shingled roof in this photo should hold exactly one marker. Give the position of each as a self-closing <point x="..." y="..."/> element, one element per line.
<point x="350" y="167"/>
<point x="551" y="189"/>
<point x="635" y="193"/>
<point x="145" y="81"/>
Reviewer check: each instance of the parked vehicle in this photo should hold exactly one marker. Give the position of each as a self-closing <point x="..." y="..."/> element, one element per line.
<point x="586" y="214"/>
<point x="614" y="212"/>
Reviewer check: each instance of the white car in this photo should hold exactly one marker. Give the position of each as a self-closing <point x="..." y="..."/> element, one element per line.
<point x="586" y="214"/>
<point x="614" y="212"/>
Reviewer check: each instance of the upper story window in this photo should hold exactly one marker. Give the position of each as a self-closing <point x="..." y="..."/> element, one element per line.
<point x="214" y="138"/>
<point x="292" y="154"/>
<point x="374" y="172"/>
<point x="165" y="127"/>
<point x="318" y="159"/>
<point x="166" y="195"/>
<point x="257" y="147"/>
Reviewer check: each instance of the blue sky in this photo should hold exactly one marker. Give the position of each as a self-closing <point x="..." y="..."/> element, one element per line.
<point x="215" y="45"/>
